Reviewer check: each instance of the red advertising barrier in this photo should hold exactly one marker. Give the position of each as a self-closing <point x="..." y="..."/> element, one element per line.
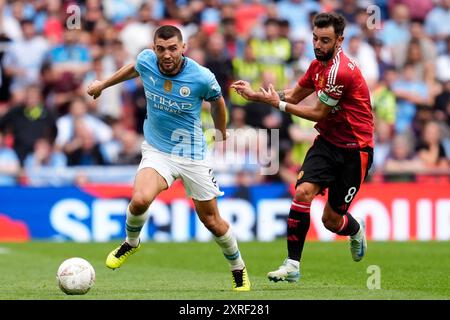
<point x="405" y="211"/>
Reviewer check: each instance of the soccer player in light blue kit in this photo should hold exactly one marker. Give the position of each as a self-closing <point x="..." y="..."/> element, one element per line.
<point x="174" y="145"/>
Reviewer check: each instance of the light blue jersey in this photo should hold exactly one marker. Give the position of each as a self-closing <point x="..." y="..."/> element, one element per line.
<point x="173" y="122"/>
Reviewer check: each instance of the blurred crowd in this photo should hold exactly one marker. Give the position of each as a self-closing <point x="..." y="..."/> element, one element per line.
<point x="50" y="50"/>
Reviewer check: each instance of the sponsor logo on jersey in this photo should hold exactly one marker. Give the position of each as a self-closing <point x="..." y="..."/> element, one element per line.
<point x="334" y="88"/>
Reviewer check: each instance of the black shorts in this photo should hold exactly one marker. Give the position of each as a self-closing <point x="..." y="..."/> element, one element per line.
<point x="340" y="170"/>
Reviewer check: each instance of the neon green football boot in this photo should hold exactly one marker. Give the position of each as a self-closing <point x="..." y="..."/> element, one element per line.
<point x="240" y="280"/>
<point x="119" y="255"/>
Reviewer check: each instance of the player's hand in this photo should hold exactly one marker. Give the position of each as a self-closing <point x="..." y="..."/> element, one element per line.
<point x="220" y="136"/>
<point x="95" y="89"/>
<point x="244" y="89"/>
<point x="270" y="96"/>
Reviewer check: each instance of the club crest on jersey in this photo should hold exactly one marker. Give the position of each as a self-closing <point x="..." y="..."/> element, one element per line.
<point x="321" y="82"/>
<point x="185" y="91"/>
<point x="168" y="85"/>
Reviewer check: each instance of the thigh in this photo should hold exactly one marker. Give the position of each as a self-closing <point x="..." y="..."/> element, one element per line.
<point x="159" y="161"/>
<point x="348" y="182"/>
<point x="199" y="181"/>
<point x="148" y="184"/>
<point x="319" y="165"/>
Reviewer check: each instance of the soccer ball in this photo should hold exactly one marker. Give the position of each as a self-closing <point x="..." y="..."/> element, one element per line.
<point x="75" y="276"/>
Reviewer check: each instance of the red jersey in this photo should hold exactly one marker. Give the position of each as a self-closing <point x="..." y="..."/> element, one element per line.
<point x="341" y="86"/>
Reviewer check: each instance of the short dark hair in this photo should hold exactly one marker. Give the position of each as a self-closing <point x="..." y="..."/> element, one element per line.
<point x="326" y="19"/>
<point x="166" y="32"/>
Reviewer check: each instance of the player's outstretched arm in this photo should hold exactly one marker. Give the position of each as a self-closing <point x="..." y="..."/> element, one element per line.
<point x="219" y="116"/>
<point x="295" y="94"/>
<point x="292" y="95"/>
<point x="127" y="72"/>
<point x="244" y="89"/>
<point x="313" y="113"/>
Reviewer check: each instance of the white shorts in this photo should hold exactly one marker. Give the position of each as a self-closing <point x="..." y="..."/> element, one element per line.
<point x="197" y="176"/>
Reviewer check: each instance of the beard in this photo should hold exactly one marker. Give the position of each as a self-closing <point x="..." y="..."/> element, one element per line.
<point x="169" y="69"/>
<point x="324" y="56"/>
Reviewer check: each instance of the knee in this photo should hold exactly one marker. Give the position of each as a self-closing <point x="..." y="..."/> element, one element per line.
<point x="329" y="223"/>
<point x="304" y="194"/>
<point x="139" y="203"/>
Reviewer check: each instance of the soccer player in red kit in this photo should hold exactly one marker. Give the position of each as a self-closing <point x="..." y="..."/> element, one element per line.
<point x="341" y="154"/>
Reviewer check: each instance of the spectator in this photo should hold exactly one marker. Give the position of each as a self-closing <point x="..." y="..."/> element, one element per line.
<point x="383" y="148"/>
<point x="402" y="164"/>
<point x="424" y="69"/>
<point x="42" y="166"/>
<point x="117" y="11"/>
<point x="24" y="59"/>
<point x="109" y="105"/>
<point x="383" y="99"/>
<point x="427" y="46"/>
<point x="296" y="12"/>
<point x="435" y="25"/>
<point x="396" y="29"/>
<point x="431" y="150"/>
<point x="233" y="43"/>
<point x="70" y="57"/>
<point x="418" y="8"/>
<point x="29" y="122"/>
<point x="410" y="93"/>
<point x="9" y="164"/>
<point x="93" y="14"/>
<point x="248" y="15"/>
<point x="298" y="62"/>
<point x="246" y="68"/>
<point x="219" y="62"/>
<point x="44" y="156"/>
<point x="302" y="133"/>
<point x="272" y="52"/>
<point x="111" y="148"/>
<point x="9" y="25"/>
<point x="443" y="64"/>
<point x="130" y="153"/>
<point x="137" y="33"/>
<point x="383" y="59"/>
<point x="78" y="111"/>
<point x="442" y="105"/>
<point x="260" y="115"/>
<point x="365" y="58"/>
<point x="83" y="149"/>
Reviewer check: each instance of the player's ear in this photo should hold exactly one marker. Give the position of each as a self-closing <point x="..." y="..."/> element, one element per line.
<point x="184" y="47"/>
<point x="339" y="41"/>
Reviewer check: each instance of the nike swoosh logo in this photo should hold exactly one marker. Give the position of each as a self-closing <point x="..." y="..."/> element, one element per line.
<point x="361" y="252"/>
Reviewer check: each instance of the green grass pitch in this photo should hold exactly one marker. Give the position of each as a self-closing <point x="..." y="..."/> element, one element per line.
<point x="198" y="271"/>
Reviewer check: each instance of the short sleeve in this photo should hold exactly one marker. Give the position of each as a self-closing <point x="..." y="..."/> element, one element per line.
<point x="213" y="91"/>
<point x="306" y="81"/>
<point x="141" y="57"/>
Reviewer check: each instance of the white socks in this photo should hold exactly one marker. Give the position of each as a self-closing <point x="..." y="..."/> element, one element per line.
<point x="230" y="250"/>
<point x="133" y="227"/>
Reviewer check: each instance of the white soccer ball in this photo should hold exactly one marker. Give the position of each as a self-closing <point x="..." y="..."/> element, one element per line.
<point x="75" y="276"/>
